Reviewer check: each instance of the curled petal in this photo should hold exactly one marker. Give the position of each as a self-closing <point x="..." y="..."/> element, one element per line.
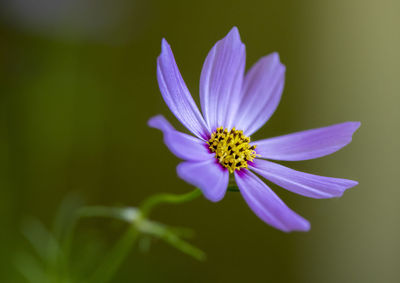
<point x="176" y="94"/>
<point x="267" y="205"/>
<point x="307" y="144"/>
<point x="182" y="145"/>
<point x="221" y="80"/>
<point x="209" y="176"/>
<point x="301" y="183"/>
<point x="262" y="91"/>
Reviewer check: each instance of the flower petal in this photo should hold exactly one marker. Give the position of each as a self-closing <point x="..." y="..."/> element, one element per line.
<point x="182" y="145"/>
<point x="208" y="175"/>
<point x="262" y="91"/>
<point x="159" y="122"/>
<point x="301" y="183"/>
<point x="176" y="94"/>
<point x="307" y="144"/>
<point x="221" y="80"/>
<point x="267" y="205"/>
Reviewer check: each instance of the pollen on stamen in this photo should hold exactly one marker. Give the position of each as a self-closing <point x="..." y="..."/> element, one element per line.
<point x="232" y="148"/>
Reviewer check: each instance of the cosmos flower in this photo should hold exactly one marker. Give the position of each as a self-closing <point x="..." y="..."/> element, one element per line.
<point x="234" y="106"/>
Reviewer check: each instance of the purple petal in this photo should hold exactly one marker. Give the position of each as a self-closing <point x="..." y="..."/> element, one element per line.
<point x="176" y="94"/>
<point x="307" y="144"/>
<point x="262" y="91"/>
<point x="182" y="145"/>
<point x="159" y="122"/>
<point x="267" y="205"/>
<point x="209" y="176"/>
<point x="305" y="184"/>
<point x="221" y="80"/>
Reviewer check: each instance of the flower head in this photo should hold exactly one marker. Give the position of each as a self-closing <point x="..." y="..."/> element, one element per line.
<point x="234" y="106"/>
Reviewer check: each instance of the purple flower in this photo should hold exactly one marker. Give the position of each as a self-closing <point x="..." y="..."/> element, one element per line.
<point x="234" y="106"/>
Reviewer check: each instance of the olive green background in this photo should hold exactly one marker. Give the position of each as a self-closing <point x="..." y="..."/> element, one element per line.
<point x="78" y="84"/>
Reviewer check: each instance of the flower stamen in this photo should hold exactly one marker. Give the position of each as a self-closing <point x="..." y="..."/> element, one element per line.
<point x="232" y="148"/>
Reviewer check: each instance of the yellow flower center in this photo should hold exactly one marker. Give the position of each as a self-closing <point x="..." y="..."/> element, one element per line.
<point x="232" y="149"/>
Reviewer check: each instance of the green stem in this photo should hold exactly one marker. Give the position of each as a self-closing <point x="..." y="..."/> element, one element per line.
<point x="155" y="200"/>
<point x="120" y="251"/>
<point x="122" y="248"/>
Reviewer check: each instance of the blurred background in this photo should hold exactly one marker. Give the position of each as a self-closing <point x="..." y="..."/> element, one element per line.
<point x="78" y="84"/>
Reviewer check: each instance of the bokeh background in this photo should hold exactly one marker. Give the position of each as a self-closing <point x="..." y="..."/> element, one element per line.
<point x="78" y="84"/>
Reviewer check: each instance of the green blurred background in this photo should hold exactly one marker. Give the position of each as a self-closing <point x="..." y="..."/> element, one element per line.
<point x="78" y="84"/>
